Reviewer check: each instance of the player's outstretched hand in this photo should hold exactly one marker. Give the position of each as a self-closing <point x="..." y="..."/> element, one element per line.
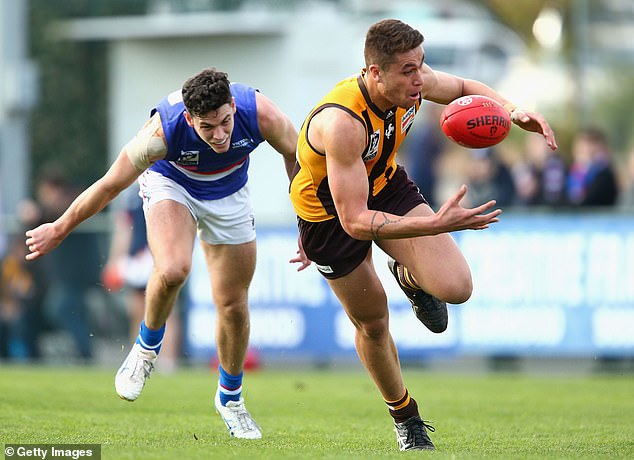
<point x="301" y="258"/>
<point x="534" y="122"/>
<point x="452" y="216"/>
<point x="41" y="240"/>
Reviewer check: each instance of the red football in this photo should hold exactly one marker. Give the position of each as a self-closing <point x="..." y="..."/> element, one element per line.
<point x="475" y="121"/>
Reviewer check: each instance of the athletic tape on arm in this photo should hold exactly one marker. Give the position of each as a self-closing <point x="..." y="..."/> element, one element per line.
<point x="148" y="145"/>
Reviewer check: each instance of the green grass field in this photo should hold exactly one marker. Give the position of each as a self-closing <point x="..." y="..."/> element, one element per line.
<point x="325" y="414"/>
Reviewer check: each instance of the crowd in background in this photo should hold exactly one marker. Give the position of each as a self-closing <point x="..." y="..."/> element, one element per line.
<point x="52" y="294"/>
<point x="589" y="175"/>
<point x="57" y="294"/>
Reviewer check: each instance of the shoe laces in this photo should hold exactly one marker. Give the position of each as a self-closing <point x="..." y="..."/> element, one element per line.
<point x="241" y="414"/>
<point x="416" y="433"/>
<point x="142" y="368"/>
<point x="426" y="424"/>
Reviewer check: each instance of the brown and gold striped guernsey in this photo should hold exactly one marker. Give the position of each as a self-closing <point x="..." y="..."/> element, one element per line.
<point x="385" y="131"/>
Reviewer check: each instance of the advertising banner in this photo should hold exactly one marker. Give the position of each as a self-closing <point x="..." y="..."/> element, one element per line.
<point x="544" y="284"/>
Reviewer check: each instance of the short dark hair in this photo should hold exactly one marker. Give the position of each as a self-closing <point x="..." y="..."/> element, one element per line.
<point x="593" y="134"/>
<point x="388" y="37"/>
<point x="206" y="91"/>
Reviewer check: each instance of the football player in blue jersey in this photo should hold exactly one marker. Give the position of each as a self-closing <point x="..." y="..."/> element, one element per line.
<point x="191" y="160"/>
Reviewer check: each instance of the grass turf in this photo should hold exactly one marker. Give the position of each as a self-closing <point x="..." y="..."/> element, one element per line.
<point x="322" y="414"/>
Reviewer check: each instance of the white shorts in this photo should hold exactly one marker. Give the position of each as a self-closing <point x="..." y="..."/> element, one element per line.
<point x="229" y="220"/>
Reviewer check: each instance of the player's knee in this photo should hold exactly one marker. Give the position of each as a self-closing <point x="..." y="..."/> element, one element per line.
<point x="459" y="291"/>
<point x="174" y="275"/>
<point x="375" y="329"/>
<point x="236" y="312"/>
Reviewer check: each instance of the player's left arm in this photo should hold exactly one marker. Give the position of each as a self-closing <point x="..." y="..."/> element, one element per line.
<point x="443" y="88"/>
<point x="278" y="130"/>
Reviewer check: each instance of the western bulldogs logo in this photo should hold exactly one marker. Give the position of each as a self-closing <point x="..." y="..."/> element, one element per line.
<point x="188" y="158"/>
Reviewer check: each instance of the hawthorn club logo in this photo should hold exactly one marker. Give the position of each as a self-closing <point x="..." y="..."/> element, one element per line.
<point x="389" y="131"/>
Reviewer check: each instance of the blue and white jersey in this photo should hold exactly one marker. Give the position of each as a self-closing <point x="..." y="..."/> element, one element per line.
<point x="191" y="163"/>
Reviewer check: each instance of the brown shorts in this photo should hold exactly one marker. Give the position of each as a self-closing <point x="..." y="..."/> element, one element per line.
<point x="336" y="253"/>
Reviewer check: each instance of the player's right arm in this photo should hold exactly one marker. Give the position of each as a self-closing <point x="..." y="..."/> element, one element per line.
<point x="343" y="139"/>
<point x="147" y="146"/>
<point x="443" y="88"/>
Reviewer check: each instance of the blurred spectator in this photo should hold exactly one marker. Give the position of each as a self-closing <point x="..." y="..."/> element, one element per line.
<point x="423" y="150"/>
<point x="3" y="230"/>
<point x="592" y="180"/>
<point x="128" y="268"/>
<point x="489" y="178"/>
<point x="71" y="271"/>
<point x="540" y="180"/>
<point x="21" y="298"/>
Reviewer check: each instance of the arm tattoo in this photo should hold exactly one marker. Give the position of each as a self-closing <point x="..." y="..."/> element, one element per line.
<point x="375" y="228"/>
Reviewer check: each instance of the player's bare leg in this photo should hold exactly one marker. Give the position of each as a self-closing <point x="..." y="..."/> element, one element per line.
<point x="431" y="271"/>
<point x="231" y="269"/>
<point x="365" y="302"/>
<point x="435" y="262"/>
<point x="171" y="232"/>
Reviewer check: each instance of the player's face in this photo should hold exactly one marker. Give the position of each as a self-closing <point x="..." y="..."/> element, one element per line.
<point x="401" y="83"/>
<point x="215" y="127"/>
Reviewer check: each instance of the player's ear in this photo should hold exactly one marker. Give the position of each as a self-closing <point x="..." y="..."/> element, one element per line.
<point x="188" y="119"/>
<point x="375" y="72"/>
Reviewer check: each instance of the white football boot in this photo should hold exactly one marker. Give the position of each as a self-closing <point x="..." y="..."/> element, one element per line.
<point x="237" y="418"/>
<point x="134" y="371"/>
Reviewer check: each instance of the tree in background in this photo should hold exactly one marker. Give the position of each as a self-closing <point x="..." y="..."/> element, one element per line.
<point x="70" y="121"/>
